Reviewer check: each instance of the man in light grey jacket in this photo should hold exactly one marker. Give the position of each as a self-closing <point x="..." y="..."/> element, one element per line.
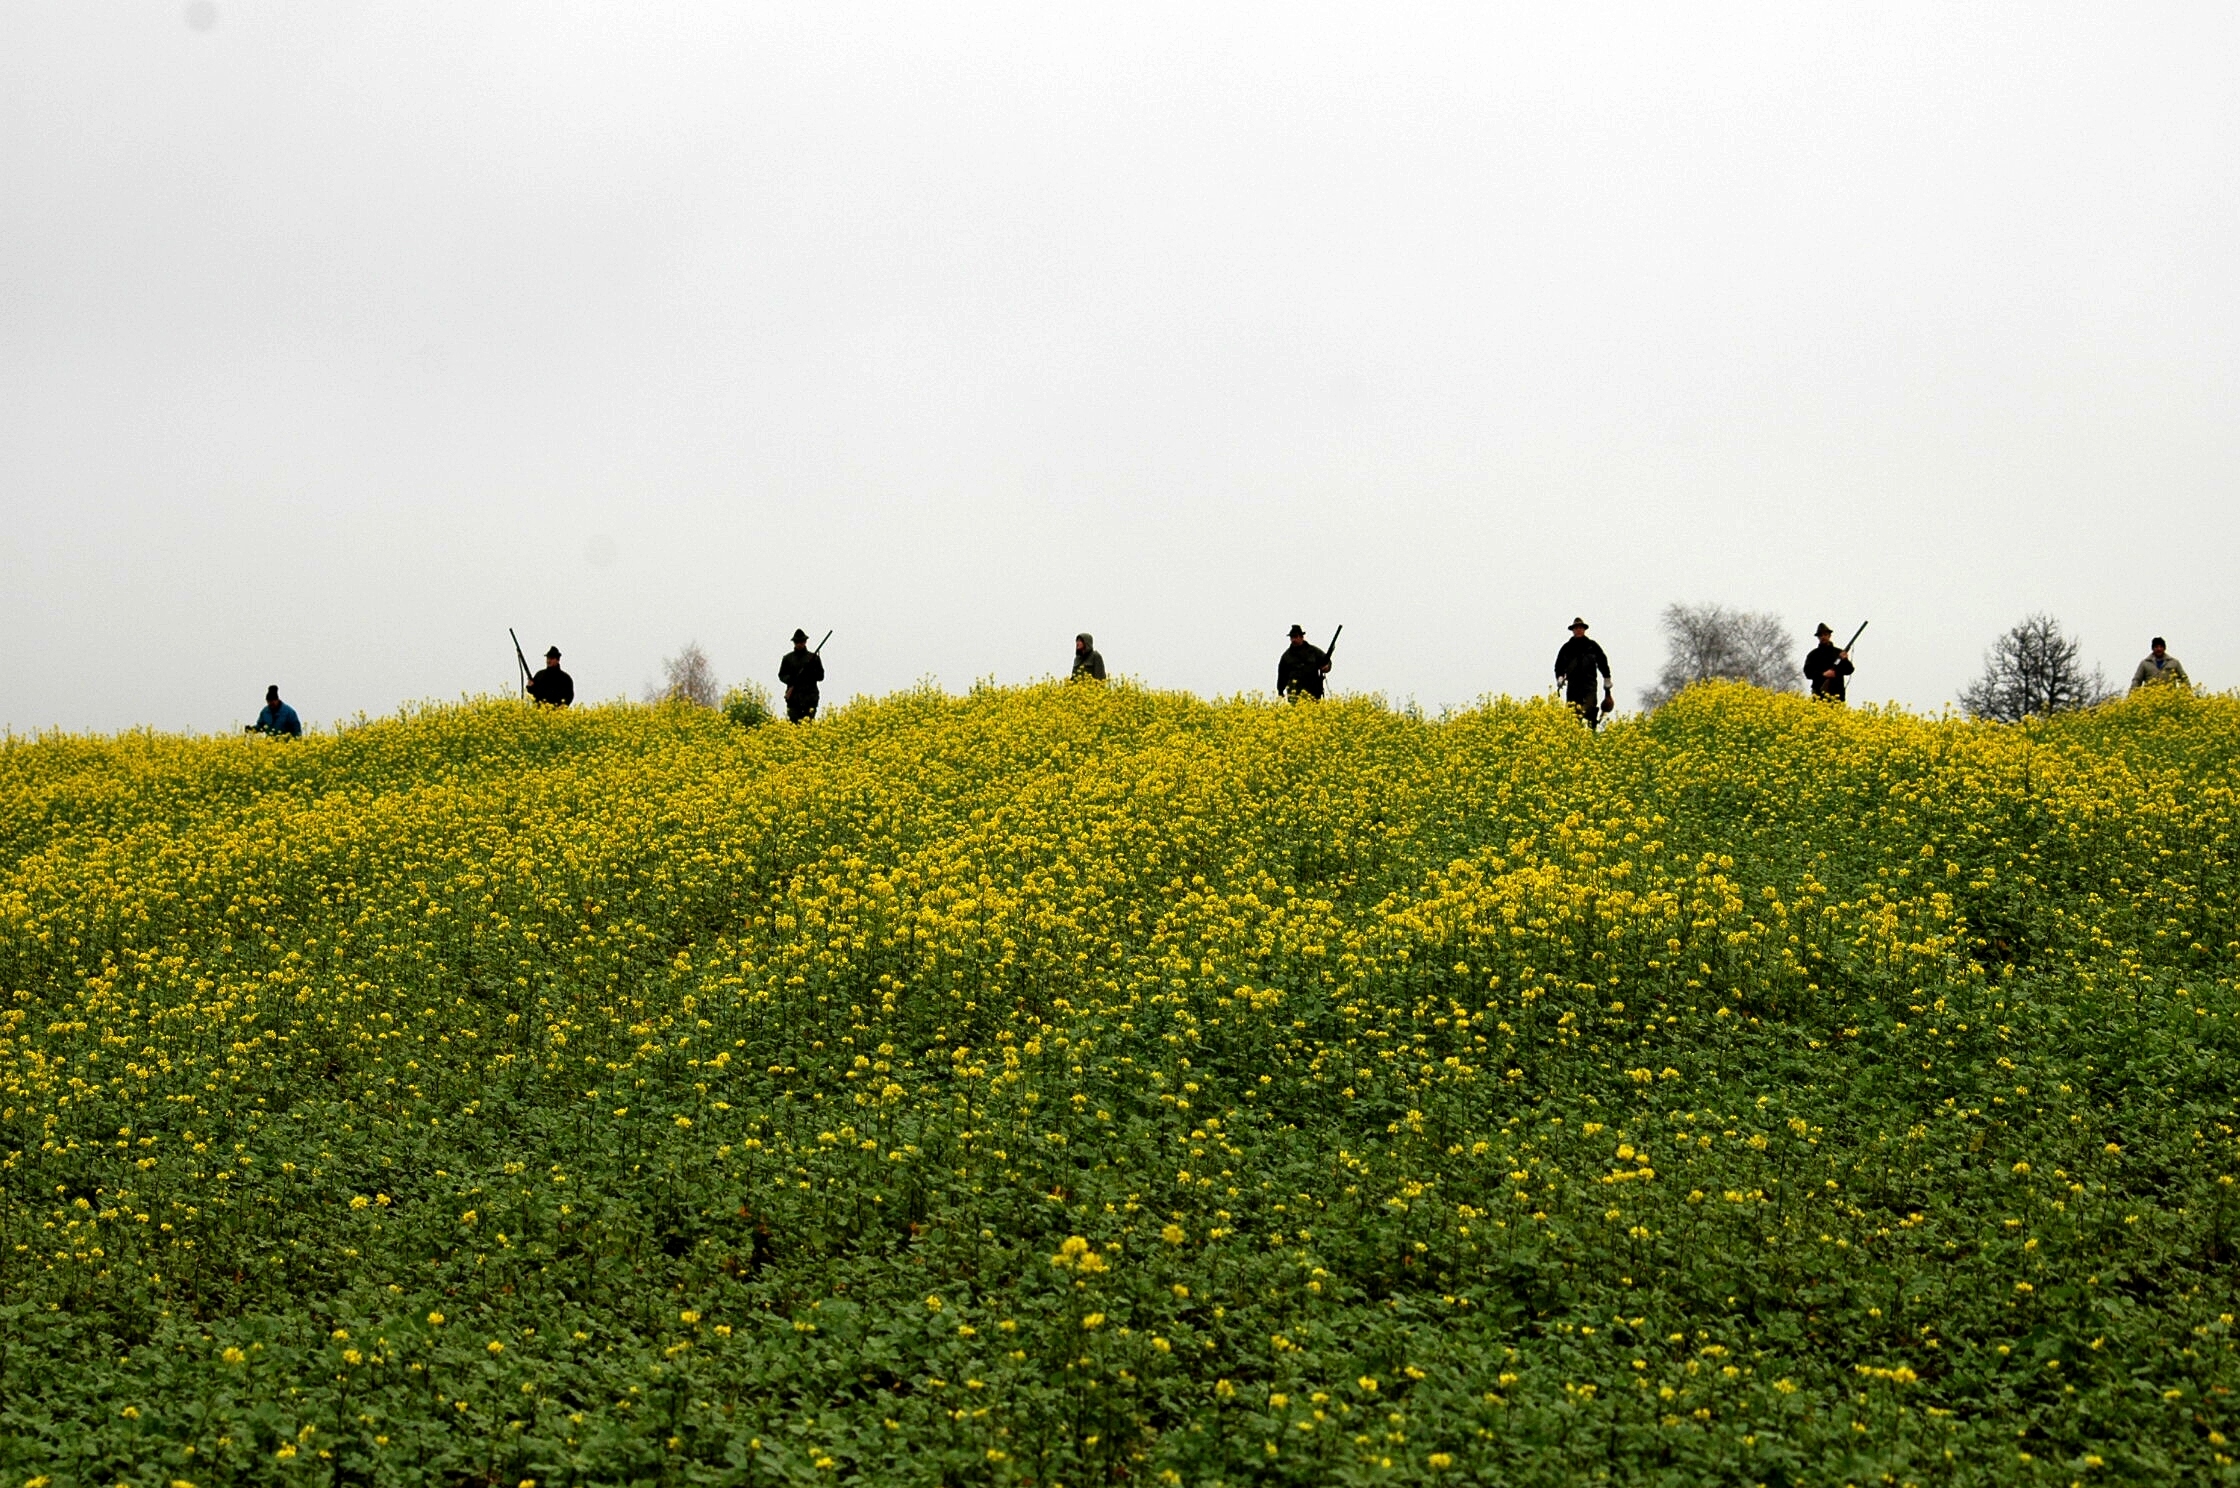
<point x="2160" y="666"/>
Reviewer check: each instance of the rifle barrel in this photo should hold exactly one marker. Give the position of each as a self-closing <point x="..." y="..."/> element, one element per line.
<point x="820" y="645"/>
<point x="521" y="661"/>
<point x="1862" y="630"/>
<point x="1341" y="630"/>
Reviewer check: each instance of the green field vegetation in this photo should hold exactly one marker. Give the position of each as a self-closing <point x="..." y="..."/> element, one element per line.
<point x="1081" y="1085"/>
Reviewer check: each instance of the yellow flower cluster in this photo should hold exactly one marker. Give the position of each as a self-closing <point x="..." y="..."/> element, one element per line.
<point x="1174" y="1015"/>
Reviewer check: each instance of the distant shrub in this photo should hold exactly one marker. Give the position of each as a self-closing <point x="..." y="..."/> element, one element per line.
<point x="748" y="705"/>
<point x="1709" y="642"/>
<point x="686" y="677"/>
<point x="2034" y="668"/>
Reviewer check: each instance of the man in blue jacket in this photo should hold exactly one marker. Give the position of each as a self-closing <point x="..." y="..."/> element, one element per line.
<point x="277" y="717"/>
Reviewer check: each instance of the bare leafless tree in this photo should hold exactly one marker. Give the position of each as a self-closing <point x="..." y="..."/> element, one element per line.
<point x="2033" y="668"/>
<point x="1707" y="642"/>
<point x="687" y="677"/>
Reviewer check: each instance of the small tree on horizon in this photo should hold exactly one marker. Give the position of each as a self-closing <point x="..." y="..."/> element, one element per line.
<point x="2033" y="668"/>
<point x="1709" y="642"/>
<point x="687" y="677"/>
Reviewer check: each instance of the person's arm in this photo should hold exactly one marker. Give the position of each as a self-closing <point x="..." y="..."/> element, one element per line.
<point x="1602" y="664"/>
<point x="2139" y="675"/>
<point x="1843" y="663"/>
<point x="2178" y="673"/>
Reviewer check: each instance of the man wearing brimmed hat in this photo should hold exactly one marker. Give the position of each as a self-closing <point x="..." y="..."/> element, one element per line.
<point x="1301" y="668"/>
<point x="1578" y="663"/>
<point x="1087" y="664"/>
<point x="1826" y="667"/>
<point x="552" y="687"/>
<point x="799" y="673"/>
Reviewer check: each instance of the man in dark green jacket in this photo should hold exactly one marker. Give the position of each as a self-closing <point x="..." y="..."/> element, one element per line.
<point x="799" y="673"/>
<point x="1826" y="667"/>
<point x="1087" y="664"/>
<point x="1579" y="662"/>
<point x="1301" y="668"/>
<point x="552" y="687"/>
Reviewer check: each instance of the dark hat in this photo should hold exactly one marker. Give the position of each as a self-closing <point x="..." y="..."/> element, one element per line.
<point x="1822" y="629"/>
<point x="273" y="691"/>
<point x="1295" y="630"/>
<point x="801" y="635"/>
<point x="2158" y="641"/>
<point x="552" y="650"/>
<point x="1577" y="623"/>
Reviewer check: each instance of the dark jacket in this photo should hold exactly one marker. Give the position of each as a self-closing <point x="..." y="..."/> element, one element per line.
<point x="1300" y="669"/>
<point x="279" y="718"/>
<point x="1089" y="663"/>
<point x="799" y="673"/>
<point x="553" y="687"/>
<point x="1577" y="664"/>
<point x="1822" y="657"/>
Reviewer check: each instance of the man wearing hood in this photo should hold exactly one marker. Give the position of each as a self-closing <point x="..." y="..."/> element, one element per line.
<point x="1086" y="662"/>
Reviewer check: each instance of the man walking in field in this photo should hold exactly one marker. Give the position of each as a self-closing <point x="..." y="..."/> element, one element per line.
<point x="2159" y="666"/>
<point x="277" y="717"/>
<point x="799" y="673"/>
<point x="1826" y="667"/>
<point x="552" y="688"/>
<point x="1301" y="668"/>
<point x="1086" y="662"/>
<point x="1578" y="663"/>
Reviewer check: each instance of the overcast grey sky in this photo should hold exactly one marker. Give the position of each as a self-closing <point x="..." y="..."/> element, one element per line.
<point x="336" y="338"/>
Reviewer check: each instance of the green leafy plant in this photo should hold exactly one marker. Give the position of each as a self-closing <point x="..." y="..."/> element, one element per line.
<point x="748" y="705"/>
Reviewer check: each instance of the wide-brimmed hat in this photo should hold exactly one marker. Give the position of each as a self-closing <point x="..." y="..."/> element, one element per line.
<point x="801" y="635"/>
<point x="1823" y="629"/>
<point x="552" y="650"/>
<point x="1577" y="623"/>
<point x="1297" y="631"/>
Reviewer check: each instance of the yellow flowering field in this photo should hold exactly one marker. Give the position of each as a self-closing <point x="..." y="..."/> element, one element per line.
<point x="1080" y="1085"/>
